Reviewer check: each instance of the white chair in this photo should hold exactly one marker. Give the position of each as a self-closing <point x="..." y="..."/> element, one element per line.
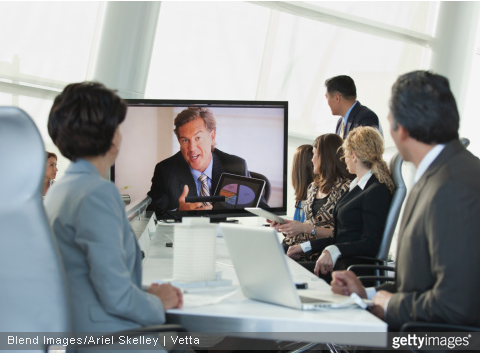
<point x="33" y="296"/>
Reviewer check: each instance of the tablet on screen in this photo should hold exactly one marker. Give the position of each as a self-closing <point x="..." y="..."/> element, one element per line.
<point x="239" y="192"/>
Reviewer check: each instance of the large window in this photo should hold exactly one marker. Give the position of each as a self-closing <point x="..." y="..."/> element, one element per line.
<point x="45" y="46"/>
<point x="224" y="50"/>
<point x="233" y="50"/>
<point x="208" y="50"/>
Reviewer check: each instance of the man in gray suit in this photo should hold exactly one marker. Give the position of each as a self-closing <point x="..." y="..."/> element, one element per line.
<point x="438" y="266"/>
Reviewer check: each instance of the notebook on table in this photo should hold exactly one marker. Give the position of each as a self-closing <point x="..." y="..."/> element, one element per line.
<point x="270" y="280"/>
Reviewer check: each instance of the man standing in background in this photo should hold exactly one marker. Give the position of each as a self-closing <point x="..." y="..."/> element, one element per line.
<point x="342" y="99"/>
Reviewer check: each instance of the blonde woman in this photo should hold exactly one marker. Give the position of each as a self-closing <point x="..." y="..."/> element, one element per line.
<point x="50" y="171"/>
<point x="361" y="213"/>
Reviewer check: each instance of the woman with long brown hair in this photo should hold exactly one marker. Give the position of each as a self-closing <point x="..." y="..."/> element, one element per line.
<point x="302" y="177"/>
<point x="330" y="183"/>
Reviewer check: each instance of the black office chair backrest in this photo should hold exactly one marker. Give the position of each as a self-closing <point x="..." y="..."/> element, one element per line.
<point x="267" y="190"/>
<point x="395" y="207"/>
<point x="33" y="297"/>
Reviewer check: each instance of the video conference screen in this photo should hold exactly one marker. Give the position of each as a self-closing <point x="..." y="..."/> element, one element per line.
<point x="252" y="131"/>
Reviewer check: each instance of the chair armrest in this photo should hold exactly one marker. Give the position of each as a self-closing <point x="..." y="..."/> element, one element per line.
<point x="374" y="260"/>
<point x="378" y="277"/>
<point x="371" y="267"/>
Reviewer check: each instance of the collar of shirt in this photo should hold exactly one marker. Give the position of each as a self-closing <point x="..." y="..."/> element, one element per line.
<point x="427" y="161"/>
<point x="208" y="172"/>
<point x="82" y="166"/>
<point x="362" y="182"/>
<point x="345" y="118"/>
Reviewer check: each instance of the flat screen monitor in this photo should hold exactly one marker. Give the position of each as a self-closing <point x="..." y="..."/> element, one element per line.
<point x="254" y="131"/>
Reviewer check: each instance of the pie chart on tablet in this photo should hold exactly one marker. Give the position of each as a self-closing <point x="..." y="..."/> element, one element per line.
<point x="237" y="196"/>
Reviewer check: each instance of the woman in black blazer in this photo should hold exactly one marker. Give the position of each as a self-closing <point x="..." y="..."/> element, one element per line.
<point x="361" y="213"/>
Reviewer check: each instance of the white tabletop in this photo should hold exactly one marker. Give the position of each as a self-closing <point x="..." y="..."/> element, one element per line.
<point x="240" y="316"/>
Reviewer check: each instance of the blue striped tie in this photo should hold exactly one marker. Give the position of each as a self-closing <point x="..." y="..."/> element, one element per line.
<point x="204" y="191"/>
<point x="342" y="129"/>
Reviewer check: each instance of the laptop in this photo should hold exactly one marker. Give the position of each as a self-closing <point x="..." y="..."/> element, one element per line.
<point x="269" y="279"/>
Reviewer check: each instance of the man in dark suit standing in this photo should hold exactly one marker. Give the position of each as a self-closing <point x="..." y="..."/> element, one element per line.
<point x="438" y="266"/>
<point x="342" y="99"/>
<point x="196" y="169"/>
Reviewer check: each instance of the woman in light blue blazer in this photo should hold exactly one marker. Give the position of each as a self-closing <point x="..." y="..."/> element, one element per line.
<point x="100" y="252"/>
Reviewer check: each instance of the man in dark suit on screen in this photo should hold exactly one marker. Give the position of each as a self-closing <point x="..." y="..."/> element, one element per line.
<point x="342" y="99"/>
<point x="196" y="169"/>
<point x="438" y="266"/>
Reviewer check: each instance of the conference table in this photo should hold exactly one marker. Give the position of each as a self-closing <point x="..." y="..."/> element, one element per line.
<point x="227" y="311"/>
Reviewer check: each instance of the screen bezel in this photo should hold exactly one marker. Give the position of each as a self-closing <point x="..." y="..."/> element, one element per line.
<point x="219" y="214"/>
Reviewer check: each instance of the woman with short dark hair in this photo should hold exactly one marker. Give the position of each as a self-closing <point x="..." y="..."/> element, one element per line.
<point x="100" y="252"/>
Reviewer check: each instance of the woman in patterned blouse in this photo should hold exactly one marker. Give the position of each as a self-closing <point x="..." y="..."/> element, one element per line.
<point x="331" y="181"/>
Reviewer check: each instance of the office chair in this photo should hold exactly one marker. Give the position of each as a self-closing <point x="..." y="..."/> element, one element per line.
<point x="267" y="190"/>
<point x="33" y="296"/>
<point x="34" y="293"/>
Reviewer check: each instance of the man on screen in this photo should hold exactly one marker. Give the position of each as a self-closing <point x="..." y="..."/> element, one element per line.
<point x="341" y="97"/>
<point x="438" y="265"/>
<point x="196" y="169"/>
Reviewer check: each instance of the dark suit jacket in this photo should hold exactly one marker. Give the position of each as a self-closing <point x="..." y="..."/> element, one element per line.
<point x="438" y="262"/>
<point x="173" y="173"/>
<point x="360" y="217"/>
<point x="359" y="116"/>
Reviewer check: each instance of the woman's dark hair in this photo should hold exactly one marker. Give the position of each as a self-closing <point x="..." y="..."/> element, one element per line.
<point x="83" y="119"/>
<point x="51" y="154"/>
<point x="332" y="165"/>
<point x="302" y="171"/>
